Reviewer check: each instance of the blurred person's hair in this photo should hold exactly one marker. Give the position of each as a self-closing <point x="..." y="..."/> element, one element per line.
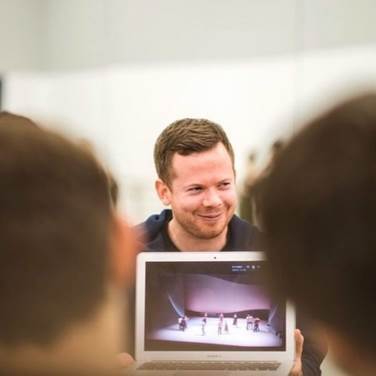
<point x="113" y="187"/>
<point x="275" y="149"/>
<point x="277" y="146"/>
<point x="318" y="208"/>
<point x="16" y="120"/>
<point x="187" y="136"/>
<point x="54" y="232"/>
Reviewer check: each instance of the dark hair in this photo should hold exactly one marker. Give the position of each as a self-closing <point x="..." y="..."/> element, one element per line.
<point x="113" y="188"/>
<point x="318" y="209"/>
<point x="54" y="233"/>
<point x="187" y="136"/>
<point x="16" y="120"/>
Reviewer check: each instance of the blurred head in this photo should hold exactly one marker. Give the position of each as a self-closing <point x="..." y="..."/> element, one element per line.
<point x="276" y="147"/>
<point x="113" y="189"/>
<point x="58" y="235"/>
<point x="195" y="165"/>
<point x="16" y="120"/>
<point x="318" y="209"/>
<point x="86" y="145"/>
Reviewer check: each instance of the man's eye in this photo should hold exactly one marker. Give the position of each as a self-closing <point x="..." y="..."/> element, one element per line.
<point x="195" y="189"/>
<point x="225" y="185"/>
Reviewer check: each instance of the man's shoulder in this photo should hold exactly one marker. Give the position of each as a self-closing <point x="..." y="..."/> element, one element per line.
<point x="151" y="230"/>
<point x="243" y="236"/>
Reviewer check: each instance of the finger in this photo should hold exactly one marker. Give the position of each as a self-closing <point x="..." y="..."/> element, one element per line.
<point x="124" y="359"/>
<point x="296" y="369"/>
<point x="299" y="341"/>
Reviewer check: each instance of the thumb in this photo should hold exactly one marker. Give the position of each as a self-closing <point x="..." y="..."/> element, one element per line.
<point x="296" y="370"/>
<point x="124" y="360"/>
<point x="299" y="341"/>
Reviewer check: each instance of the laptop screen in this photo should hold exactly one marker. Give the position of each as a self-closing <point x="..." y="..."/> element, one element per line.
<point x="211" y="306"/>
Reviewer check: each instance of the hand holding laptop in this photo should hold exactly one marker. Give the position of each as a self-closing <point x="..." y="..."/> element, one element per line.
<point x="296" y="369"/>
<point x="125" y="360"/>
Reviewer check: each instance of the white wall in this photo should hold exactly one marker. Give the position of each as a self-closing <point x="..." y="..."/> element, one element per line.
<point x="118" y="71"/>
<point x="22" y="27"/>
<point x="61" y="35"/>
<point x="122" y="109"/>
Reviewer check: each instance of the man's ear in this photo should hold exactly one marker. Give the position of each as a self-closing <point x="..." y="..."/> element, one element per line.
<point x="124" y="247"/>
<point x="163" y="191"/>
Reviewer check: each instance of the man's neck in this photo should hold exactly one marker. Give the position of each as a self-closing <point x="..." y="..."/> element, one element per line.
<point x="187" y="242"/>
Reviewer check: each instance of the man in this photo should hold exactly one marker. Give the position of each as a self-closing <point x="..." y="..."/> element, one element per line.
<point x="196" y="177"/>
<point x="318" y="207"/>
<point x="63" y="256"/>
<point x="195" y="166"/>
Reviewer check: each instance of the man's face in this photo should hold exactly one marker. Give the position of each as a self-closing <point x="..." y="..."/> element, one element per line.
<point x="202" y="192"/>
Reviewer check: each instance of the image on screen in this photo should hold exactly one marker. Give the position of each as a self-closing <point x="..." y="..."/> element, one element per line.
<point x="205" y="306"/>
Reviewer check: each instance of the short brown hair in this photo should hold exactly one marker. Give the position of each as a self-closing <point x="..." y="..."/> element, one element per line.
<point x="54" y="233"/>
<point x="187" y="136"/>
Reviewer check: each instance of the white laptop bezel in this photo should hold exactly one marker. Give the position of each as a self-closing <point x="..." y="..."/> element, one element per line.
<point x="142" y="355"/>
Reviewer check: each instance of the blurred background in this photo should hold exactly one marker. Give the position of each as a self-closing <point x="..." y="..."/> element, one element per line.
<point x="116" y="72"/>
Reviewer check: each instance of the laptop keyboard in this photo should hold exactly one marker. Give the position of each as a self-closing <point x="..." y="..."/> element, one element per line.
<point x="209" y="366"/>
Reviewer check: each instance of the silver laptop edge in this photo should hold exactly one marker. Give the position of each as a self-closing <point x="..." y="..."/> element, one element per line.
<point x="142" y="355"/>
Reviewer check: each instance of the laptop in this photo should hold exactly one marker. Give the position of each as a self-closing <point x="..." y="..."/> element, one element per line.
<point x="209" y="313"/>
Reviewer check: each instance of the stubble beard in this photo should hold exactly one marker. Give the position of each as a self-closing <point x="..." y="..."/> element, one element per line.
<point x="205" y="231"/>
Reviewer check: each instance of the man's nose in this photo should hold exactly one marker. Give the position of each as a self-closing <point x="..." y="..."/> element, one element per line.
<point x="212" y="198"/>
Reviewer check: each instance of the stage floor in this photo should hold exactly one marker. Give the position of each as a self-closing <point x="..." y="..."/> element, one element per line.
<point x="236" y="336"/>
